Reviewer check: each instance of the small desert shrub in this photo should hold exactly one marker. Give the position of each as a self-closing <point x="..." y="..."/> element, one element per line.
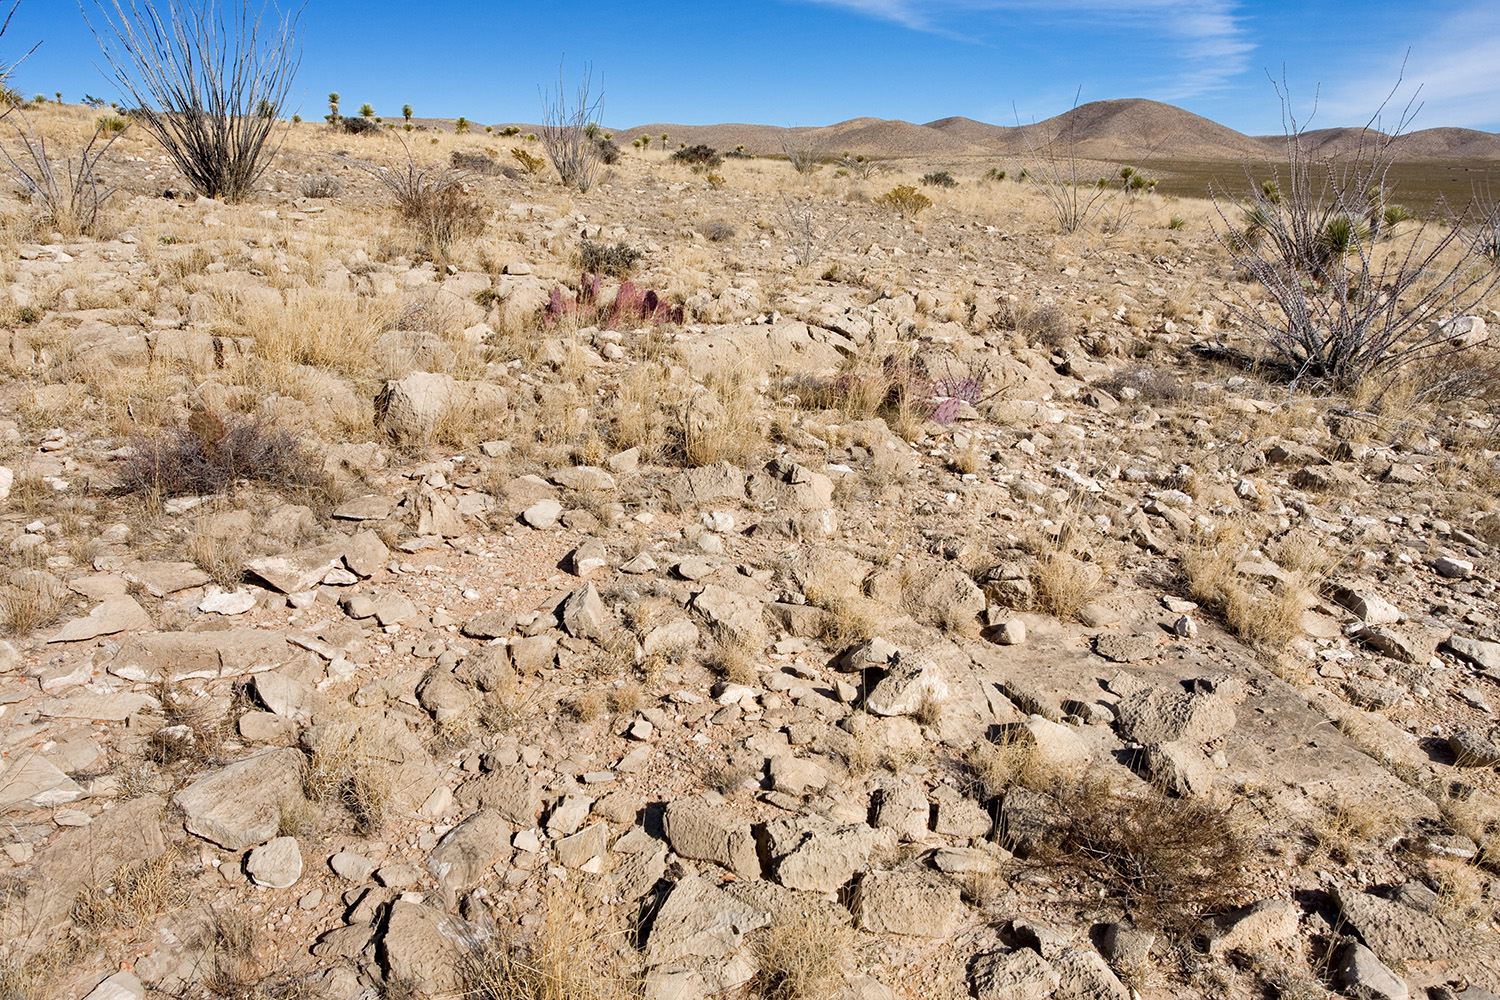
<point x="1170" y="862"/>
<point x="802" y="959"/>
<point x="1176" y="222"/>
<point x="905" y="200"/>
<point x="433" y="202"/>
<point x="717" y="230"/>
<point x="529" y="162"/>
<point x="611" y="261"/>
<point x="1046" y="324"/>
<point x="212" y="454"/>
<point x="66" y="191"/>
<point x="321" y="186"/>
<point x="699" y="158"/>
<point x="481" y="164"/>
<point x="939" y="178"/>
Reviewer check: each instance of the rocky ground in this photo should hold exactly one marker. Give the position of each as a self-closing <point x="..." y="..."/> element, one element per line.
<point x="880" y="607"/>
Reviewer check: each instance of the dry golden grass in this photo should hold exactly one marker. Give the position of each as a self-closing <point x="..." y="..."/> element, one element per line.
<point x="572" y="957"/>
<point x="1010" y="759"/>
<point x="1269" y="617"/>
<point x="724" y="423"/>
<point x="802" y="959"/>
<point x="1064" y="583"/>
<point x="132" y="895"/>
<point x="344" y="769"/>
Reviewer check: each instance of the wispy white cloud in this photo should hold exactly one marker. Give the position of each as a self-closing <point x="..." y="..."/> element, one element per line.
<point x="1456" y="64"/>
<point x="1212" y="44"/>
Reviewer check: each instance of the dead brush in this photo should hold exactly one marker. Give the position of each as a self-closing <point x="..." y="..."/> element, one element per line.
<point x="213" y="453"/>
<point x="193" y="730"/>
<point x="802" y="959"/>
<point x="572" y="956"/>
<point x="433" y="202"/>
<point x="1010" y="759"/>
<point x="1169" y="862"/>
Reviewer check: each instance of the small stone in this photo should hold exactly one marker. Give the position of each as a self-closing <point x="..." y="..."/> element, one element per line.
<point x="351" y="866"/>
<point x="543" y="514"/>
<point x="1453" y="569"/>
<point x="230" y="603"/>
<point x="276" y="864"/>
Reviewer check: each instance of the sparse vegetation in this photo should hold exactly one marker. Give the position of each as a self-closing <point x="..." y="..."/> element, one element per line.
<point x="67" y="193"/>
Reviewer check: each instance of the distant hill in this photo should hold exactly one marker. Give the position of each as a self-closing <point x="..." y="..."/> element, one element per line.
<point x="1130" y="129"/>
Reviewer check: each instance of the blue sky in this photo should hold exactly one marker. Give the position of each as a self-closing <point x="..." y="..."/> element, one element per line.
<point x="815" y="62"/>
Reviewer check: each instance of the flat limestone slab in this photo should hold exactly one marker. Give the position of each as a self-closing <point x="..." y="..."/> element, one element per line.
<point x="239" y="806"/>
<point x="183" y="655"/>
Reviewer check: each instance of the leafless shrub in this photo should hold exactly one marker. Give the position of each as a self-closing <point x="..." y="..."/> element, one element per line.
<point x="717" y="230"/>
<point x="807" y="232"/>
<point x="433" y="201"/>
<point x="69" y="192"/>
<point x="1483" y="233"/>
<point x="1045" y="323"/>
<point x="1169" y="861"/>
<point x="803" y="151"/>
<point x="211" y="454"/>
<point x="208" y="80"/>
<point x="1344" y="308"/>
<point x="1077" y="200"/>
<point x="566" y="133"/>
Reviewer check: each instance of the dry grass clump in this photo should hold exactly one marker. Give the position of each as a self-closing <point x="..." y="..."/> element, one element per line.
<point x="733" y="660"/>
<point x="211" y="454"/>
<point x="1169" y="862"/>
<point x="802" y="959"/>
<point x="722" y="423"/>
<point x="193" y="732"/>
<point x="343" y="769"/>
<point x="219" y="555"/>
<point x="571" y="957"/>
<point x="1268" y="617"/>
<point x="26" y="608"/>
<point x="1064" y="583"/>
<point x="1008" y="760"/>
<point x="132" y="895"/>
